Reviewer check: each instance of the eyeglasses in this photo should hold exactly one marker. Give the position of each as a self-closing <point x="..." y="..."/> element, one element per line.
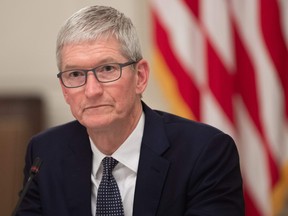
<point x="104" y="73"/>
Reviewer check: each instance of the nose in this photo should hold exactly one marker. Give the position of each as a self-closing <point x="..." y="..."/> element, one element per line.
<point x="93" y="87"/>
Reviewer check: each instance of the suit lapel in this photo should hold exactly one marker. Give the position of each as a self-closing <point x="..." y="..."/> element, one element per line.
<point x="153" y="168"/>
<point x="77" y="172"/>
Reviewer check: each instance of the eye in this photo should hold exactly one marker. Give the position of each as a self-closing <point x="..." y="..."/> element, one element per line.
<point x="75" y="74"/>
<point x="108" y="68"/>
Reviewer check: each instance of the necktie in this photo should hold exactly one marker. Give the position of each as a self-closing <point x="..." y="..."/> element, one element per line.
<point x="109" y="199"/>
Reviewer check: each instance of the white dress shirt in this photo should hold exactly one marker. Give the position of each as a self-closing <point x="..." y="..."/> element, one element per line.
<point x="125" y="172"/>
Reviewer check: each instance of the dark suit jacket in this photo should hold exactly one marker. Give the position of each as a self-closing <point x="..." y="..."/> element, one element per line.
<point x="185" y="168"/>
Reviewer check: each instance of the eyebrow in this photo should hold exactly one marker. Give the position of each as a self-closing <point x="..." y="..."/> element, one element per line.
<point x="101" y="62"/>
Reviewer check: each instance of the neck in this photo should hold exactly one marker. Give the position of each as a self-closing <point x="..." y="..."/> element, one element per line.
<point x="109" y="140"/>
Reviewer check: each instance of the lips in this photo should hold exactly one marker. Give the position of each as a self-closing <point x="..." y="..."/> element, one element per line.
<point x="94" y="107"/>
<point x="97" y="106"/>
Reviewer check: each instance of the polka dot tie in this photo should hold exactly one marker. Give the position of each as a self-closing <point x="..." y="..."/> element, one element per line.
<point x="109" y="201"/>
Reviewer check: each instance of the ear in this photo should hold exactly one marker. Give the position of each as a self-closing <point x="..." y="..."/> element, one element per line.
<point x="142" y="70"/>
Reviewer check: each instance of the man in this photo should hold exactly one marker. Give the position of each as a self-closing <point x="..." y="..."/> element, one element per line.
<point x="164" y="165"/>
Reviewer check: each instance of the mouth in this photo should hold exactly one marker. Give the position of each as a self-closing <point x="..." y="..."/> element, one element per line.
<point x="96" y="107"/>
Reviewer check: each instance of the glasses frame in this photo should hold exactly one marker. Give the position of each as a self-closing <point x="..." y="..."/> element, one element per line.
<point x="121" y="65"/>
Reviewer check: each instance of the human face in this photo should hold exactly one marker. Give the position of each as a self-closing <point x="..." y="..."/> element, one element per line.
<point x="104" y="106"/>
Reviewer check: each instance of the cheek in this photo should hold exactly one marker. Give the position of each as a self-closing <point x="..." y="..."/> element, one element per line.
<point x="124" y="97"/>
<point x="65" y="93"/>
<point x="130" y="95"/>
<point x="129" y="90"/>
<point x="68" y="97"/>
<point x="73" y="100"/>
<point x="75" y="108"/>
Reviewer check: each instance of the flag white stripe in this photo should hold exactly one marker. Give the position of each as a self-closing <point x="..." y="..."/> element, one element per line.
<point x="254" y="163"/>
<point x="214" y="115"/>
<point x="186" y="37"/>
<point x="283" y="6"/>
<point x="270" y="96"/>
<point x="216" y="21"/>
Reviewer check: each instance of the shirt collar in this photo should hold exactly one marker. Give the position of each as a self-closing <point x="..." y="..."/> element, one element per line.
<point x="127" y="154"/>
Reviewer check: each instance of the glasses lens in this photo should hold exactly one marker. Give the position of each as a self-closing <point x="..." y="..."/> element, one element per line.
<point x="108" y="72"/>
<point x="73" y="78"/>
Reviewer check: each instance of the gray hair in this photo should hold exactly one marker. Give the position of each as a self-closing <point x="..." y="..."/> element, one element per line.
<point x="95" y="22"/>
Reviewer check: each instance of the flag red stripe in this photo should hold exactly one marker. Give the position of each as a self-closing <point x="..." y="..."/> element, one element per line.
<point x="220" y="82"/>
<point x="275" y="42"/>
<point x="186" y="86"/>
<point x="194" y="6"/>
<point x="246" y="86"/>
<point x="250" y="207"/>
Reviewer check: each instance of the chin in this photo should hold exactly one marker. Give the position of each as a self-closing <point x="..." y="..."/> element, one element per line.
<point x="96" y="122"/>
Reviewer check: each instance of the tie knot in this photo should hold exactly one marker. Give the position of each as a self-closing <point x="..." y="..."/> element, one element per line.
<point x="109" y="163"/>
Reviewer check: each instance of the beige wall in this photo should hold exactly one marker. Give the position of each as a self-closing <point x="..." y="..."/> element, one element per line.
<point x="27" y="49"/>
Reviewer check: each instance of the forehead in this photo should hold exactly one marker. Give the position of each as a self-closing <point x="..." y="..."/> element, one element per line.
<point x="90" y="53"/>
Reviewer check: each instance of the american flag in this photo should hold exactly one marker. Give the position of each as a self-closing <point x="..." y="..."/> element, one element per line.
<point x="225" y="62"/>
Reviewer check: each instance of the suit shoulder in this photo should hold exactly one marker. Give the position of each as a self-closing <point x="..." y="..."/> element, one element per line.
<point x="60" y="131"/>
<point x="191" y="133"/>
<point x="175" y="121"/>
<point x="196" y="137"/>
